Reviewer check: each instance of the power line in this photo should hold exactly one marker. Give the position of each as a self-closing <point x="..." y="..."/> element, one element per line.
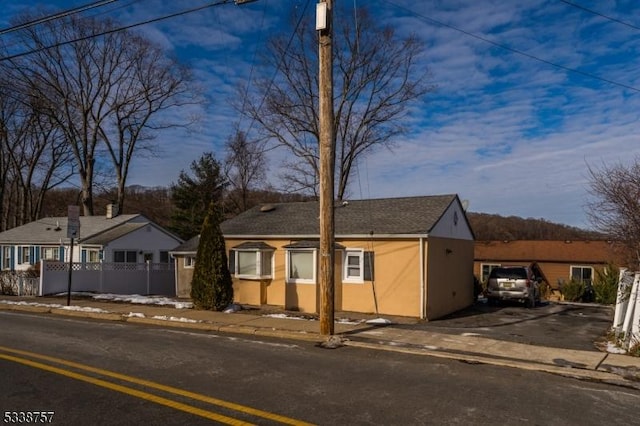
<point x="513" y="50"/>
<point x="577" y="6"/>
<point x="281" y="60"/>
<point x="114" y="30"/>
<point x="58" y="15"/>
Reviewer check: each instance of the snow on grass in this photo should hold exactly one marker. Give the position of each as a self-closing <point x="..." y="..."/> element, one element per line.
<point x="613" y="349"/>
<point x="285" y="316"/>
<point x="135" y="315"/>
<point x="348" y="321"/>
<point x="234" y="307"/>
<point x="84" y="309"/>
<point x="177" y="319"/>
<point x="143" y="300"/>
<point x="379" y="321"/>
<point x="22" y="303"/>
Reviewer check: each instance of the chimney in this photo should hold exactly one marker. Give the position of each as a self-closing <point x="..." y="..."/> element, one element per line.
<point x="112" y="211"/>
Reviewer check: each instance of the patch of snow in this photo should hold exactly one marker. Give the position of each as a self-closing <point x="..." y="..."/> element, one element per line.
<point x="234" y="307"/>
<point x="84" y="309"/>
<point x="22" y="303"/>
<point x="285" y="316"/>
<point x="177" y="319"/>
<point x="379" y="321"/>
<point x="471" y="334"/>
<point x="135" y="315"/>
<point x="613" y="349"/>
<point x="348" y="321"/>
<point x="144" y="300"/>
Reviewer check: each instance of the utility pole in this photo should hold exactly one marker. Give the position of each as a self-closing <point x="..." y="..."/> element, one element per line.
<point x="327" y="165"/>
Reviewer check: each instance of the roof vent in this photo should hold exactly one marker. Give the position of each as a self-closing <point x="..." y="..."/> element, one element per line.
<point x="267" y="208"/>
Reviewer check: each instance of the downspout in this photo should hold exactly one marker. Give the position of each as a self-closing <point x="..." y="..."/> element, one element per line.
<point x="423" y="302"/>
<point x="175" y="274"/>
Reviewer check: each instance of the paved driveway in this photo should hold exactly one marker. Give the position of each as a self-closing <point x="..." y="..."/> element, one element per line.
<point x="561" y="325"/>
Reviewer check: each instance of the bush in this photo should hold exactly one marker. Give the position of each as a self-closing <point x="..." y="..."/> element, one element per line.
<point x="605" y="285"/>
<point x="211" y="285"/>
<point x="573" y="291"/>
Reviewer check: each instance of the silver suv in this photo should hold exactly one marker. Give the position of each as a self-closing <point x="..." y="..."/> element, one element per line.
<point x="513" y="283"/>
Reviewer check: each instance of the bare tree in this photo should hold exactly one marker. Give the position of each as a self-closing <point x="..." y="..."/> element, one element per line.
<point x="33" y="158"/>
<point x="106" y="90"/>
<point x="376" y="77"/>
<point x="245" y="169"/>
<point x="614" y="208"/>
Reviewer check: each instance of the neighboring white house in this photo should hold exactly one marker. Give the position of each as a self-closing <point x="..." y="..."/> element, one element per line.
<point x="127" y="238"/>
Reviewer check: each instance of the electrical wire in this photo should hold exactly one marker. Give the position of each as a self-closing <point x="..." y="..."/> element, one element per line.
<point x="577" y="6"/>
<point x="114" y="30"/>
<point x="280" y="61"/>
<point x="511" y="49"/>
<point x="58" y="15"/>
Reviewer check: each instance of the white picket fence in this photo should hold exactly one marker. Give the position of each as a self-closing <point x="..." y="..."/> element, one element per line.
<point x="626" y="320"/>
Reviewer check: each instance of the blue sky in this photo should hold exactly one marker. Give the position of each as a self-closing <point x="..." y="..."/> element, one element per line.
<point x="529" y="94"/>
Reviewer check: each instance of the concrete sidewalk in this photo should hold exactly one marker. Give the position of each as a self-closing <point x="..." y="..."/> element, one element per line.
<point x="623" y="370"/>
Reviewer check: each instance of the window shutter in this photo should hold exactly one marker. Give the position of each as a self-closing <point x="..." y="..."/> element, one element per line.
<point x="61" y="253"/>
<point x="36" y="255"/>
<point x="83" y="256"/>
<point x="13" y="258"/>
<point x="32" y="255"/>
<point x="232" y="262"/>
<point x="368" y="265"/>
<point x="19" y="254"/>
<point x="2" y="265"/>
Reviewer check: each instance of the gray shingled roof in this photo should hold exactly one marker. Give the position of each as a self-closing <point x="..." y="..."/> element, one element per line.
<point x="189" y="246"/>
<point x="50" y="230"/>
<point x="114" y="233"/>
<point x="408" y="215"/>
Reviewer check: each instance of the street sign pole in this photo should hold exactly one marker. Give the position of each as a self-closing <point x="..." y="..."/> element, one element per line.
<point x="73" y="231"/>
<point x="70" y="270"/>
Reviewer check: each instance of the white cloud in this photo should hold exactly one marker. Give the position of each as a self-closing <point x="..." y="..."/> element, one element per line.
<point x="511" y="133"/>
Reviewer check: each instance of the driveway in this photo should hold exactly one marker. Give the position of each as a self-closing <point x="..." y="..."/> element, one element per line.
<point x="554" y="324"/>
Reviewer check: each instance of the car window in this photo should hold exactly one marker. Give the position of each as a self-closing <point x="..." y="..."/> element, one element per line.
<point x="509" y="273"/>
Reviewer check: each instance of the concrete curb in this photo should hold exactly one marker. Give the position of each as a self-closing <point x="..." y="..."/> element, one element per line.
<point x="107" y="316"/>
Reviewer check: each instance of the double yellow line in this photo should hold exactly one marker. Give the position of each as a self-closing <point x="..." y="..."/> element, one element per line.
<point x="16" y="355"/>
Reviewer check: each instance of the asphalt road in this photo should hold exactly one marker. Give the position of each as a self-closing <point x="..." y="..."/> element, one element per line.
<point x="560" y="325"/>
<point x="297" y="380"/>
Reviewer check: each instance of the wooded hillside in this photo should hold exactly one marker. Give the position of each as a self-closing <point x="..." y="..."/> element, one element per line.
<point x="496" y="227"/>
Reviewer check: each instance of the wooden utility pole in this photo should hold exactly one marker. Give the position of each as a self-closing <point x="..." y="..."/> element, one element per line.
<point x="327" y="166"/>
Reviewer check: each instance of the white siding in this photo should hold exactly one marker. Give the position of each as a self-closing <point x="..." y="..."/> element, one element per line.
<point x="453" y="224"/>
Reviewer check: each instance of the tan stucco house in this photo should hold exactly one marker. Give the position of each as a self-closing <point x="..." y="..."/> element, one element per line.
<point x="556" y="261"/>
<point x="409" y="256"/>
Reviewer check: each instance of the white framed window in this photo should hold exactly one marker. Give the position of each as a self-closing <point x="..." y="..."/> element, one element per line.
<point x="301" y="266"/>
<point x="189" y="262"/>
<point x="582" y="274"/>
<point x="93" y="256"/>
<point x="353" y="266"/>
<point x="25" y="253"/>
<point x="6" y="257"/>
<point x="50" y="253"/>
<point x="253" y="264"/>
<point x="485" y="270"/>
<point x="125" y="256"/>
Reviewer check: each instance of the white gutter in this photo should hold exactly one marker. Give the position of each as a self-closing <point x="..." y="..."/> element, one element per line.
<point x="423" y="302"/>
